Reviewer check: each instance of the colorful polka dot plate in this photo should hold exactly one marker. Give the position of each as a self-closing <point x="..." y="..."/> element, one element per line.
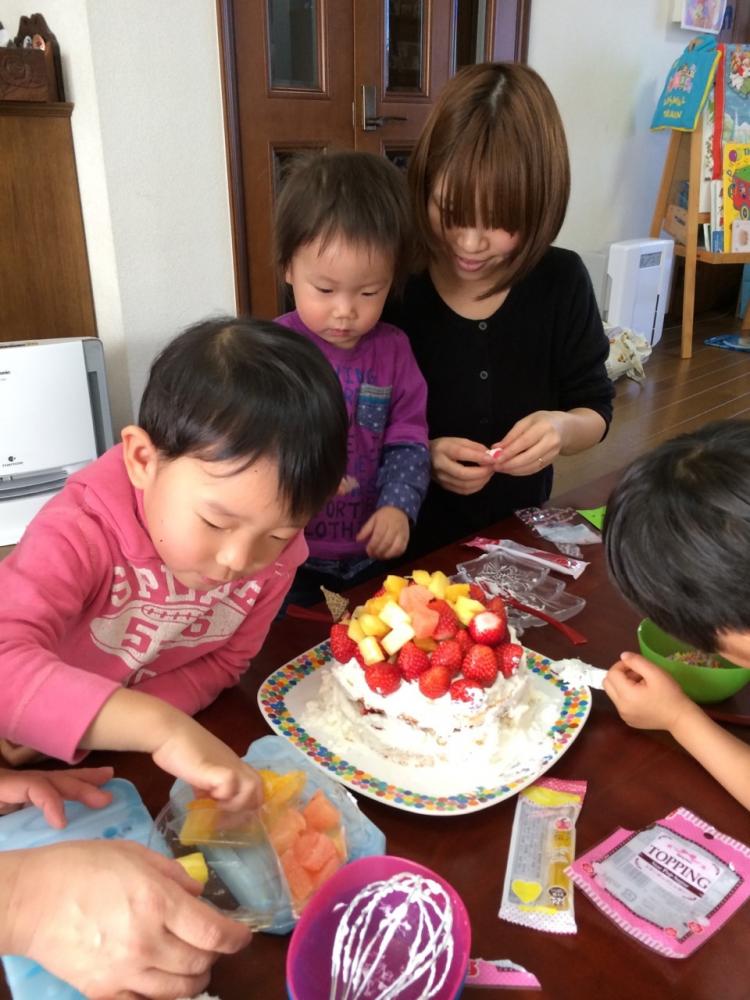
<point x="434" y="791"/>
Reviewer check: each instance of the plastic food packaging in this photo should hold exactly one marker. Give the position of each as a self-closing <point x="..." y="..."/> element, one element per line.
<point x="563" y="526"/>
<point x="525" y="556"/>
<point x="496" y="573"/>
<point x="671" y="885"/>
<point x="538" y="891"/>
<point x="265" y="868"/>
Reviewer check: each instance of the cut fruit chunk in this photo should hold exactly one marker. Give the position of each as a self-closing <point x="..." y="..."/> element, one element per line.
<point x="397" y="638"/>
<point x="313" y="850"/>
<point x="320" y="814"/>
<point x="372" y="625"/>
<point x="370" y="649"/>
<point x="439" y="583"/>
<point x="394" y="584"/>
<point x="394" y="615"/>
<point x="455" y="590"/>
<point x="355" y="630"/>
<point x="421" y="577"/>
<point x="284" y="828"/>
<point x="195" y="865"/>
<point x="467" y="608"/>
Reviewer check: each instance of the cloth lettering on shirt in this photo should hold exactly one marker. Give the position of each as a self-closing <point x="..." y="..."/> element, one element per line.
<point x="149" y="614"/>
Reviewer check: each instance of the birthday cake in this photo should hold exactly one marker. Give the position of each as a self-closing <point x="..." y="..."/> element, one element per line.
<point x="426" y="672"/>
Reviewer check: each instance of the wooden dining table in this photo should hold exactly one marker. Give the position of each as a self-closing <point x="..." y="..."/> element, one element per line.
<point x="634" y="777"/>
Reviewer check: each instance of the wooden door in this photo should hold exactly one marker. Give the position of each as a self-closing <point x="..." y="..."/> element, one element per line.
<point x="295" y="73"/>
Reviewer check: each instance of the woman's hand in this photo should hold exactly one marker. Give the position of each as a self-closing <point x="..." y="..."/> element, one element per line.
<point x="448" y="454"/>
<point x="531" y="443"/>
<point x="50" y="789"/>
<point x="536" y="440"/>
<point x="386" y="533"/>
<point x="113" y="919"/>
<point x="645" y="695"/>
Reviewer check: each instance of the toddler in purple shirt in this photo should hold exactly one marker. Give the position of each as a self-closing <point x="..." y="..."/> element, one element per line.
<point x="343" y="233"/>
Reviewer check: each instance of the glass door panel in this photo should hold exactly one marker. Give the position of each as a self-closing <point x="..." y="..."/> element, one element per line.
<point x="294" y="45"/>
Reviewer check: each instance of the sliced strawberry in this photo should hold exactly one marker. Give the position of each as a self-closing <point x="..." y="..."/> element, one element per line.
<point x="435" y="682"/>
<point x="488" y="628"/>
<point x="449" y="654"/>
<point x="476" y="593"/>
<point x="412" y="661"/>
<point x="448" y="625"/>
<point x="465" y="690"/>
<point x="360" y="659"/>
<point x="508" y="657"/>
<point x="342" y="647"/>
<point x="480" y="665"/>
<point x="382" y="678"/>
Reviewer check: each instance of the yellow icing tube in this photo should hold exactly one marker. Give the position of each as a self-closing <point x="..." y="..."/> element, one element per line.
<point x="537" y="892"/>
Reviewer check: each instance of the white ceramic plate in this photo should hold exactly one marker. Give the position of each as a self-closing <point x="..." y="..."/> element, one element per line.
<point x="284" y="694"/>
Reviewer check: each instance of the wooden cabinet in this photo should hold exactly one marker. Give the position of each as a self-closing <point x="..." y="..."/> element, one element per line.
<point x="45" y="286"/>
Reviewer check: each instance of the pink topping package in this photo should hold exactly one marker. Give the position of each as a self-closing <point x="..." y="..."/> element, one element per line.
<point x="671" y="885"/>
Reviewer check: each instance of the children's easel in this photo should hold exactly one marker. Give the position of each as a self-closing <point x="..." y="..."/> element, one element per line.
<point x="684" y="163"/>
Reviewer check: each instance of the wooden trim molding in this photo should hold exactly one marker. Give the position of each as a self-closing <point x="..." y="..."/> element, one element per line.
<point x="228" y="57"/>
<point x="508" y="37"/>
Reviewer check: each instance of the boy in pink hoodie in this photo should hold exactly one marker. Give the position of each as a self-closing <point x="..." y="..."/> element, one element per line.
<point x="148" y="584"/>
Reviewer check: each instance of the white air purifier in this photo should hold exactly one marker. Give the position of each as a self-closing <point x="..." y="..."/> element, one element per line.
<point x="639" y="274"/>
<point x="54" y="420"/>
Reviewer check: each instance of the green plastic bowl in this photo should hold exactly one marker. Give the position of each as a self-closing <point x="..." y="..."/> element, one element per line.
<point x="702" y="684"/>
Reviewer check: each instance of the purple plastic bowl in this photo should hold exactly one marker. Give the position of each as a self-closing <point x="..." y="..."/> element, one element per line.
<point x="308" y="960"/>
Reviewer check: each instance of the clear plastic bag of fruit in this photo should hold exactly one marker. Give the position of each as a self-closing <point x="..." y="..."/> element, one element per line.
<point x="264" y="867"/>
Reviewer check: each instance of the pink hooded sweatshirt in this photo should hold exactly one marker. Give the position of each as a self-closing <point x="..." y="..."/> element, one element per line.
<point x="87" y="606"/>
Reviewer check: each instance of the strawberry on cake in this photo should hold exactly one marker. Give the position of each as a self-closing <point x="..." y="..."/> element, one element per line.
<point x="426" y="672"/>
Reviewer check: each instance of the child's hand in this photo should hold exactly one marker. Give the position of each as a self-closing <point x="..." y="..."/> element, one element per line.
<point x="49" y="789"/>
<point x="192" y="753"/>
<point x="15" y="755"/>
<point x="387" y="531"/>
<point x="530" y="444"/>
<point x="448" y="454"/>
<point x="645" y="695"/>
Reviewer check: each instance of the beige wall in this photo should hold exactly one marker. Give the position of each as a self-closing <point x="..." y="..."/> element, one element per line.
<point x="148" y="131"/>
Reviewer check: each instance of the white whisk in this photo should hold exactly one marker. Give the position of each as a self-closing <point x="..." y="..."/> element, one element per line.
<point x="417" y="907"/>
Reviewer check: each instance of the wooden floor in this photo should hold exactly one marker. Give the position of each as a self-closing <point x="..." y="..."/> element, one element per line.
<point x="677" y="396"/>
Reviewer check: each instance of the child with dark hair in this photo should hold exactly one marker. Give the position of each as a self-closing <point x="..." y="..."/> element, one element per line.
<point x="148" y="584"/>
<point x="677" y="538"/>
<point x="342" y="238"/>
<point x="504" y="326"/>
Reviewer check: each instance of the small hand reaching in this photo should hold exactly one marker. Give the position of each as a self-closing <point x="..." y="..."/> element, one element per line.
<point x="645" y="695"/>
<point x="213" y="769"/>
<point x="386" y="533"/>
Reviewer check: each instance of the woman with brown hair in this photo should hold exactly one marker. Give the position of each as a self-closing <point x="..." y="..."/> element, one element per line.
<point x="505" y="327"/>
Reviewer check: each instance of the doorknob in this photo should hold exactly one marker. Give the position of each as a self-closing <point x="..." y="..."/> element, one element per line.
<point x="370" y="118"/>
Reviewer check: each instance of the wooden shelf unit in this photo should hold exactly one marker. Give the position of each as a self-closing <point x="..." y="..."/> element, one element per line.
<point x="683" y="162"/>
